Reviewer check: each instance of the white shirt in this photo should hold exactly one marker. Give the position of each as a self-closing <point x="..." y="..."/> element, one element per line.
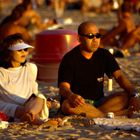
<point x="16" y="86"/>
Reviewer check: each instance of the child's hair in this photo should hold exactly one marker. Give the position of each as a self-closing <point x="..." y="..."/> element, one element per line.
<point x="5" y="57"/>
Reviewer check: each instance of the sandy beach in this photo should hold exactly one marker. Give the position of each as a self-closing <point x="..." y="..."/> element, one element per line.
<point x="78" y="127"/>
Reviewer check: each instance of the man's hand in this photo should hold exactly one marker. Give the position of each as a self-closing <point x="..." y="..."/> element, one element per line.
<point x="75" y="100"/>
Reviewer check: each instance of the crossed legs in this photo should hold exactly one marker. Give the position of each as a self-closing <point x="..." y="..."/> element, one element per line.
<point x="32" y="108"/>
<point x="117" y="103"/>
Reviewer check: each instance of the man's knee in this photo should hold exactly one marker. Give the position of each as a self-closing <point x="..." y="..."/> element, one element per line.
<point x="121" y="97"/>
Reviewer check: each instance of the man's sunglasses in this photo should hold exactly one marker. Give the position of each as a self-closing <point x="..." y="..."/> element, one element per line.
<point x="26" y="49"/>
<point x="91" y="36"/>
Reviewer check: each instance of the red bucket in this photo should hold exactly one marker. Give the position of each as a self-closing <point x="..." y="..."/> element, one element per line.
<point x="51" y="45"/>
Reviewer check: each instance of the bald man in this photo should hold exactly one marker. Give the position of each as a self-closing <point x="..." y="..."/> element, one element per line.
<point x="81" y="78"/>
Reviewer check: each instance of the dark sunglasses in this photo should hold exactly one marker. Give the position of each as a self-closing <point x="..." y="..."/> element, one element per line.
<point x="26" y="49"/>
<point x="91" y="36"/>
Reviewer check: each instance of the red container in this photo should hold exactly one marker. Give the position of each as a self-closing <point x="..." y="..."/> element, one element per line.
<point x="51" y="45"/>
<point x="3" y="117"/>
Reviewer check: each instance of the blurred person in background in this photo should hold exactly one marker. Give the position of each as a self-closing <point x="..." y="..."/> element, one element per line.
<point x="100" y="6"/>
<point x="90" y="5"/>
<point x="35" y="24"/>
<point x="60" y="6"/>
<point x="31" y="20"/>
<point x="118" y="35"/>
<point x="135" y="5"/>
<point x="16" y="23"/>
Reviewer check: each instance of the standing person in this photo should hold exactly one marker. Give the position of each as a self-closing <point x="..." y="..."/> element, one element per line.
<point x="59" y="7"/>
<point x="19" y="96"/>
<point x="81" y="77"/>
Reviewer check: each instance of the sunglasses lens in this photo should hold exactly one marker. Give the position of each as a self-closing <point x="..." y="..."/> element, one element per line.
<point x="90" y="36"/>
<point x="98" y="35"/>
<point x="26" y="49"/>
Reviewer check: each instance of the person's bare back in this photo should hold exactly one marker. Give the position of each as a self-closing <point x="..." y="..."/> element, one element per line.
<point x="126" y="25"/>
<point x="130" y="24"/>
<point x="12" y="28"/>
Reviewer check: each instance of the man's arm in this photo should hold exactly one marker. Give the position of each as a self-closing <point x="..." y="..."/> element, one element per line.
<point x="123" y="82"/>
<point x="112" y="34"/>
<point x="64" y="89"/>
<point x="134" y="100"/>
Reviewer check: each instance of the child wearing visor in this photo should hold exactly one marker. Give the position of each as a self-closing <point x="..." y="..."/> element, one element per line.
<point x="19" y="96"/>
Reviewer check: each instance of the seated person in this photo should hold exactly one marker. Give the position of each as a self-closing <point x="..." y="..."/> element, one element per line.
<point x="15" y="23"/>
<point x="81" y="77"/>
<point x="132" y="38"/>
<point x="31" y="20"/>
<point x="19" y="95"/>
<point x="35" y="20"/>
<point x="118" y="34"/>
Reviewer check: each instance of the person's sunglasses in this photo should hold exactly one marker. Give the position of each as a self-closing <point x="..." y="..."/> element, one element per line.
<point x="91" y="36"/>
<point x="26" y="49"/>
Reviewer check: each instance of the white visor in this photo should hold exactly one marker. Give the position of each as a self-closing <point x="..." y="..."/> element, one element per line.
<point x="19" y="46"/>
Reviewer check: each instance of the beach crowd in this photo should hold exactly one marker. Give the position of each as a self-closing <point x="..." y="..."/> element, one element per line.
<point x="82" y="69"/>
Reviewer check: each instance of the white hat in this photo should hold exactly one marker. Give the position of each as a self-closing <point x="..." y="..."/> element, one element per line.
<point x="19" y="46"/>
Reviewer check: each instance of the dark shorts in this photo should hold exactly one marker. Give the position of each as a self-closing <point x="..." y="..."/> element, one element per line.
<point x="95" y="103"/>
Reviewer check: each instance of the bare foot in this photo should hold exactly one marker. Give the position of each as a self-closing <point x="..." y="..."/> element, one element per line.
<point x="32" y="119"/>
<point x="54" y="122"/>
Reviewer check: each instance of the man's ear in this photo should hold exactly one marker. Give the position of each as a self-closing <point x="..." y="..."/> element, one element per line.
<point x="78" y="38"/>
